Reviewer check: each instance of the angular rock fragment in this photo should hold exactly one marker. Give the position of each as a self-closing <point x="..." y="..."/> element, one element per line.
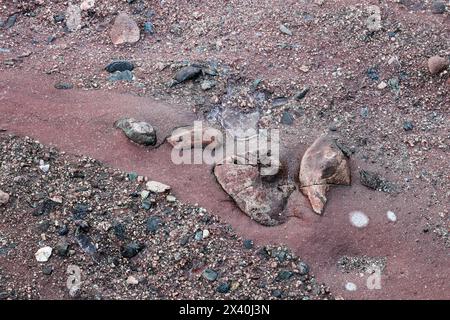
<point x="138" y="131"/>
<point x="260" y="202"/>
<point x="124" y="30"/>
<point x="322" y="165"/>
<point x="157" y="187"/>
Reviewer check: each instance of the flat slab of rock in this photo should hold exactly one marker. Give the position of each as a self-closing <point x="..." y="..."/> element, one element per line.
<point x="323" y="164"/>
<point x="157" y="187"/>
<point x="137" y="131"/>
<point x="243" y="183"/>
<point x="124" y="30"/>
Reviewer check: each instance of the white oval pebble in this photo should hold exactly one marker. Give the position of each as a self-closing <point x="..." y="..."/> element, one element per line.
<point x="391" y="216"/>
<point x="350" y="286"/>
<point x="205" y="233"/>
<point x="359" y="219"/>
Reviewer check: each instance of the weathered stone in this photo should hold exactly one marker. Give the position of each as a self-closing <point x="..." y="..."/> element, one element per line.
<point x="87" y="4"/>
<point x="4" y="198"/>
<point x="73" y="18"/>
<point x="374" y="181"/>
<point x="187" y="73"/>
<point x="124" y="30"/>
<point x="322" y="165"/>
<point x="260" y="202"/>
<point x="138" y="131"/>
<point x="119" y="65"/>
<point x="373" y="22"/>
<point x="43" y="254"/>
<point x="157" y="187"/>
<point x="436" y="64"/>
<point x="195" y="136"/>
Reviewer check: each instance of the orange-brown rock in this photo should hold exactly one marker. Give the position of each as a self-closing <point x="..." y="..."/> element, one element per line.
<point x="124" y="30"/>
<point x="323" y="165"/>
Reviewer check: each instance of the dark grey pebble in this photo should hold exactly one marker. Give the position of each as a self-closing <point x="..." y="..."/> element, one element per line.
<point x="210" y="274"/>
<point x="119" y="65"/>
<point x="224" y="288"/>
<point x="187" y="73"/>
<point x="248" y="244"/>
<point x="126" y="75"/>
<point x="287" y="118"/>
<point x="131" y="249"/>
<point x="63" y="86"/>
<point x="153" y="224"/>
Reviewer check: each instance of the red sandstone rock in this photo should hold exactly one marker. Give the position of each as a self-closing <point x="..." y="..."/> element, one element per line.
<point x="323" y="164"/>
<point x="124" y="30"/>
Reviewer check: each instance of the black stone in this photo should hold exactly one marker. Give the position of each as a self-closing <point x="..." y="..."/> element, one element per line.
<point x="187" y="73"/>
<point x="372" y="73"/>
<point x="277" y="293"/>
<point x="59" y="17"/>
<point x="80" y="211"/>
<point x="10" y="22"/>
<point x="131" y="249"/>
<point x="303" y="268"/>
<point x="287" y="118"/>
<point x="119" y="65"/>
<point x="63" y="86"/>
<point x="63" y="230"/>
<point x="119" y="231"/>
<point x="45" y="207"/>
<point x="284" y="275"/>
<point x="47" y="270"/>
<point x="224" y="288"/>
<point x="374" y="181"/>
<point x="408" y="126"/>
<point x="43" y="226"/>
<point x="301" y="94"/>
<point x="62" y="249"/>
<point x="248" y="244"/>
<point x="153" y="224"/>
<point x="85" y="242"/>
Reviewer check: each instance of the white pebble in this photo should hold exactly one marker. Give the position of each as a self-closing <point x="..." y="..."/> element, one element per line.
<point x="391" y="216"/>
<point x="359" y="219"/>
<point x="43" y="254"/>
<point x="350" y="286"/>
<point x="205" y="233"/>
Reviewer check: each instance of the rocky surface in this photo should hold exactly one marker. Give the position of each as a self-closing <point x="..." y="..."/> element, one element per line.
<point x="323" y="165"/>
<point x="120" y="249"/>
<point x="373" y="88"/>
